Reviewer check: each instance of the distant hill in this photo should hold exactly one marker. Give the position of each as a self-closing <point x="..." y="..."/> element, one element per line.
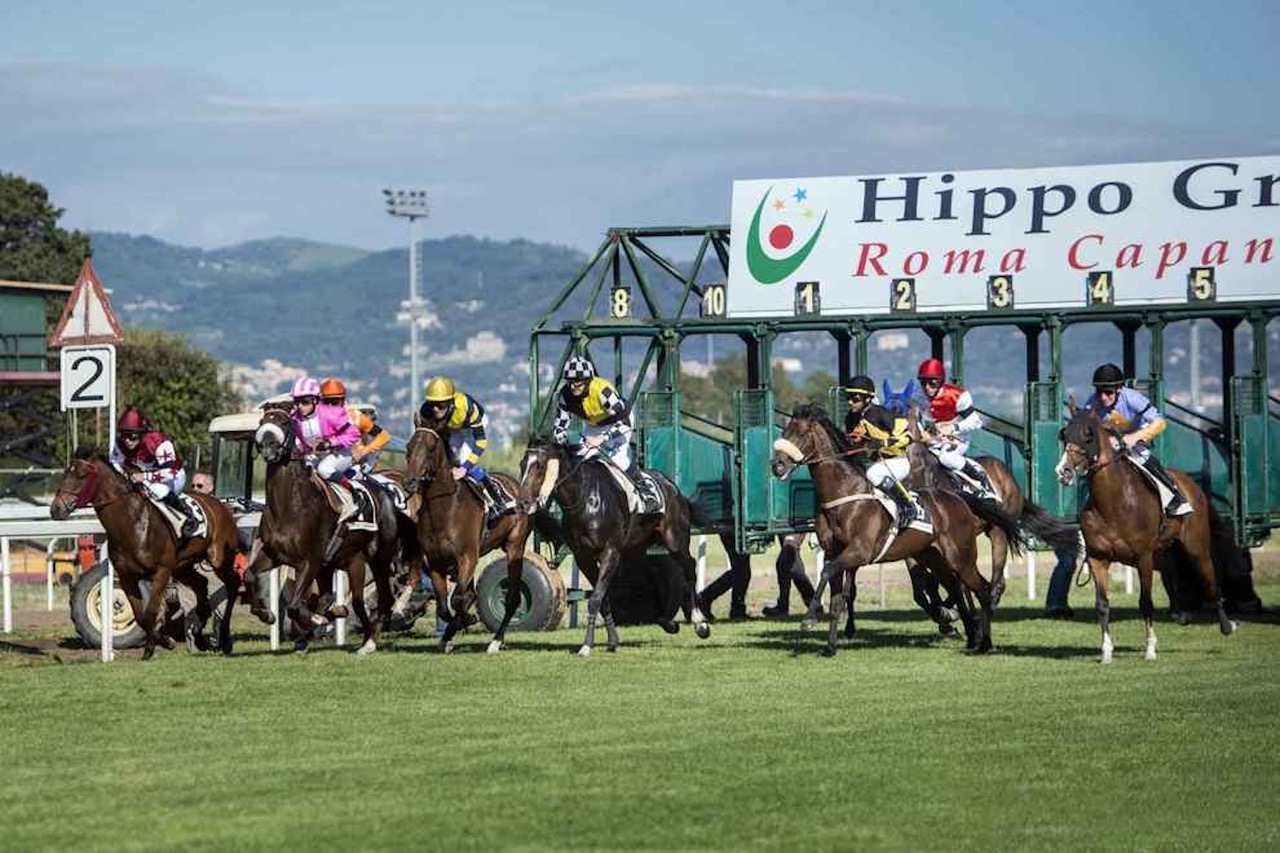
<point x="270" y="308"/>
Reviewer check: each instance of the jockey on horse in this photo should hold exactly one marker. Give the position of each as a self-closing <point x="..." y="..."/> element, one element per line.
<point x="460" y="420"/>
<point x="155" y="464"/>
<point x="606" y="424"/>
<point x="1139" y="422"/>
<point x="885" y="439"/>
<point x="326" y="434"/>
<point x="953" y="418"/>
<point x="372" y="437"/>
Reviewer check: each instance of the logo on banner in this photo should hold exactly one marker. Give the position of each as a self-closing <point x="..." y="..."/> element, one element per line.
<point x="773" y="252"/>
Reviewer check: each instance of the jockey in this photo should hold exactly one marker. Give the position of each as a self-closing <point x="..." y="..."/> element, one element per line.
<point x="372" y="437"/>
<point x="155" y="462"/>
<point x="324" y="432"/>
<point x="1139" y="422"/>
<point x="461" y="421"/>
<point x="885" y="437"/>
<point x="606" y="421"/>
<point x="954" y="418"/>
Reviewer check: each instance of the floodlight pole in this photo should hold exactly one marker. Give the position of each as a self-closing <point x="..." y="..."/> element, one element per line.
<point x="411" y="205"/>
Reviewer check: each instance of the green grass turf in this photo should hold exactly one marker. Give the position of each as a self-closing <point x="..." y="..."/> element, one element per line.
<point x="750" y="739"/>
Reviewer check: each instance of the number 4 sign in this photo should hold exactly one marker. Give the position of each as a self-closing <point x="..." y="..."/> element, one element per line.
<point x="89" y="377"/>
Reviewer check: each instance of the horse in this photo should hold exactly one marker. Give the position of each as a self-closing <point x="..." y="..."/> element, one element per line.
<point x="1123" y="521"/>
<point x="144" y="546"/>
<point x="857" y="531"/>
<point x="603" y="533"/>
<point x="928" y="472"/>
<point x="298" y="523"/>
<point x="452" y="534"/>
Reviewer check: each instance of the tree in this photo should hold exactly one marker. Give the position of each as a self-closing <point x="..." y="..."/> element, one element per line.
<point x="32" y="246"/>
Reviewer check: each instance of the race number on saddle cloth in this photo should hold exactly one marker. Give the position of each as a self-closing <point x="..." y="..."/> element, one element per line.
<point x="326" y="435"/>
<point x="884" y="439"/>
<point x="1138" y="421"/>
<point x="952" y="420"/>
<point x="460" y="420"/>
<point x="147" y="457"/>
<point x="606" y="426"/>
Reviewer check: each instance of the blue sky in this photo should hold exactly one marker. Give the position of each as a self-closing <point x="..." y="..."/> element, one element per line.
<point x="209" y="124"/>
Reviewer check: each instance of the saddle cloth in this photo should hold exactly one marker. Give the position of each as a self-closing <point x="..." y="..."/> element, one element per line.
<point x="634" y="501"/>
<point x="342" y="502"/>
<point x="1161" y="489"/>
<point x="398" y="495"/>
<point x="970" y="485"/>
<point x="176" y="521"/>
<point x="920" y="523"/>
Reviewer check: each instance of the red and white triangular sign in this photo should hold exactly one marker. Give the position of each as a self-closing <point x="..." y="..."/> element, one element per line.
<point x="87" y="317"/>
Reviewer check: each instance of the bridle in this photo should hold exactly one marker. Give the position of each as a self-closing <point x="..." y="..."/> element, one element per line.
<point x="413" y="481"/>
<point x="544" y="455"/>
<point x="88" y="488"/>
<point x="286" y="436"/>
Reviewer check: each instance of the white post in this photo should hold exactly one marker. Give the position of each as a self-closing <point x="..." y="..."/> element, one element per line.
<point x="880" y="575"/>
<point x="340" y="596"/>
<point x="49" y="574"/>
<point x="106" y="613"/>
<point x="273" y="590"/>
<point x="1031" y="575"/>
<point x="8" y="588"/>
<point x="702" y="563"/>
<point x="1128" y="580"/>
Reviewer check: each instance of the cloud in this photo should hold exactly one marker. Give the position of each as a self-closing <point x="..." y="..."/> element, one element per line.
<point x="185" y="158"/>
<point x="481" y="348"/>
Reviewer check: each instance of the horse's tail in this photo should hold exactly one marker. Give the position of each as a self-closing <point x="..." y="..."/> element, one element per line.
<point x="698" y="516"/>
<point x="992" y="513"/>
<point x="1048" y="528"/>
<point x="1232" y="565"/>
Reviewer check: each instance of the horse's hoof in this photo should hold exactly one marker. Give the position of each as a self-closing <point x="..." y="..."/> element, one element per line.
<point x="225" y="649"/>
<point x="266" y="617"/>
<point x="997" y="591"/>
<point x="670" y="626"/>
<point x="167" y="641"/>
<point x="301" y="648"/>
<point x="946" y="629"/>
<point x="1228" y="628"/>
<point x="703" y="630"/>
<point x="368" y="648"/>
<point x="828" y="651"/>
<point x="148" y="653"/>
<point x="584" y="652"/>
<point x="807" y="624"/>
<point x="1150" y="654"/>
<point x="494" y="647"/>
<point x="338" y="611"/>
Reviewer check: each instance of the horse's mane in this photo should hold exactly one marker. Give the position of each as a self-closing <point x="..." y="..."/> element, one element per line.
<point x="839" y="440"/>
<point x="93" y="453"/>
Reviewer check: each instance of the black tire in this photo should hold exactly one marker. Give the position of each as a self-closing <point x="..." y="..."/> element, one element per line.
<point x="86" y="612"/>
<point x="542" y="596"/>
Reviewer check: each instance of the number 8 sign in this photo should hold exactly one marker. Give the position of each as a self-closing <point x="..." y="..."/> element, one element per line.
<point x="88" y="377"/>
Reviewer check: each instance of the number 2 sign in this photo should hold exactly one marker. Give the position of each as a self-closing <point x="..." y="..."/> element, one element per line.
<point x="88" y="377"/>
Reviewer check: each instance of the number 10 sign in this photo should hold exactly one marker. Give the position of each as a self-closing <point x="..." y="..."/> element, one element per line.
<point x="88" y="377"/>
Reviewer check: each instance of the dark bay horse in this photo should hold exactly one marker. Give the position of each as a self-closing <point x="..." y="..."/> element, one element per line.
<point x="298" y="523"/>
<point x="144" y="546"/>
<point x="856" y="528"/>
<point x="452" y="535"/>
<point x="602" y="532"/>
<point x="1123" y="521"/>
<point x="929" y="473"/>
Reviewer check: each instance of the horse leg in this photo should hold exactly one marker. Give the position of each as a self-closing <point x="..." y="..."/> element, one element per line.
<point x="1146" y="569"/>
<point x="464" y="595"/>
<point x="511" y="601"/>
<point x="1202" y="557"/>
<point x="851" y="598"/>
<point x="413" y="577"/>
<point x="962" y="557"/>
<point x="999" y="556"/>
<point x="689" y="569"/>
<point x="444" y="611"/>
<point x="304" y="619"/>
<point x="131" y="585"/>
<point x="935" y="571"/>
<point x="1099" y="568"/>
<point x="608" y="561"/>
<point x="357" y="570"/>
<point x="924" y="591"/>
<point x="815" y="604"/>
<point x="151" y="614"/>
<point x="839" y="601"/>
<point x="230" y="581"/>
<point x="193" y="622"/>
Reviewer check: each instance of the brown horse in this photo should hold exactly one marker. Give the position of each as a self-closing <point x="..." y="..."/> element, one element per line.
<point x="144" y="546"/>
<point x="855" y="529"/>
<point x="1123" y="521"/>
<point x="604" y="534"/>
<point x="452" y="535"/>
<point x="298" y="523"/>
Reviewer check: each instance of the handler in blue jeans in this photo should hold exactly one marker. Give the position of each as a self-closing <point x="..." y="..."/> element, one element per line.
<point x="1055" y="601"/>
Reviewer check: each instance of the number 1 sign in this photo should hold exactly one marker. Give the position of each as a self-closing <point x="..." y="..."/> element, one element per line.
<point x="88" y="377"/>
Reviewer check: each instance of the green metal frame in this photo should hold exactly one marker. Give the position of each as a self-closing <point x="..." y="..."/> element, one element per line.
<point x="1222" y="454"/>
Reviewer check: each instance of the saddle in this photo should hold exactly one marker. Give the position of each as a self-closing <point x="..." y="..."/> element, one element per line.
<point x="394" y="490"/>
<point x="176" y="521"/>
<point x="652" y="504"/>
<point x="921" y="522"/>
<point x="355" y="515"/>
<point x="492" y="510"/>
<point x="1162" y="491"/>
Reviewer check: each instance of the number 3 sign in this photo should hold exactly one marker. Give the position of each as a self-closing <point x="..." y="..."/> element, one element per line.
<point x="88" y="377"/>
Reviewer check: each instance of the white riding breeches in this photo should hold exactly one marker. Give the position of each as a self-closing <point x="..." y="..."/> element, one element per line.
<point x="897" y="467"/>
<point x="162" y="490"/>
<point x="618" y="451"/>
<point x="951" y="456"/>
<point x="333" y="465"/>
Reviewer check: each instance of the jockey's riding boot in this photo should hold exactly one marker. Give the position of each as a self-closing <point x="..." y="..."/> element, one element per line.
<point x="979" y="474"/>
<point x="1178" y="504"/>
<point x="501" y="506"/>
<point x="189" y="523"/>
<point x="908" y="509"/>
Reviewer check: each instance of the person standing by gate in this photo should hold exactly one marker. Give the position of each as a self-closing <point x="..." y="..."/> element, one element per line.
<point x="953" y="419"/>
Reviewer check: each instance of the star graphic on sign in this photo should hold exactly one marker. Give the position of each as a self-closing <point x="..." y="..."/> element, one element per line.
<point x="800" y="195"/>
<point x="778" y="204"/>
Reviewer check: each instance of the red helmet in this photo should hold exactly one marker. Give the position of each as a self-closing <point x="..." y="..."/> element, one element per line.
<point x="932" y="368"/>
<point x="132" y="421"/>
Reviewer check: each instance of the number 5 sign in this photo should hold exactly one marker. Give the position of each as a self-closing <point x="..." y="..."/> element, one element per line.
<point x="89" y="377"/>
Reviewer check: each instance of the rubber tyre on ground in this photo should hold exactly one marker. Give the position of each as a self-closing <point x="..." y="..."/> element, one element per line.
<point x="86" y="612"/>
<point x="542" y="596"/>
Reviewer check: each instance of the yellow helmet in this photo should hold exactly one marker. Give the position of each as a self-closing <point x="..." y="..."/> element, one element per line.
<point x="440" y="389"/>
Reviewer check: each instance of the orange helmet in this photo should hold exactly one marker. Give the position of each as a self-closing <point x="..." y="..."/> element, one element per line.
<point x="932" y="368"/>
<point x="332" y="388"/>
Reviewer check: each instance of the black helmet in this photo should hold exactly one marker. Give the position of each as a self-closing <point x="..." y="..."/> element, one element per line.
<point x="861" y="385"/>
<point x="1108" y="376"/>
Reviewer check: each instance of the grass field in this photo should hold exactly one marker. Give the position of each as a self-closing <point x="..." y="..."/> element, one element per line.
<point x="749" y="739"/>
